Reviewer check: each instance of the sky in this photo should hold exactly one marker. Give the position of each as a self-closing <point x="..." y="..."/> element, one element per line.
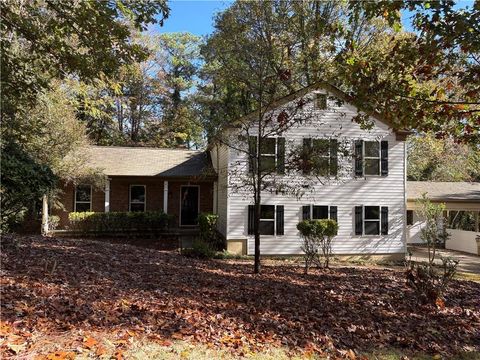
<point x="192" y="16"/>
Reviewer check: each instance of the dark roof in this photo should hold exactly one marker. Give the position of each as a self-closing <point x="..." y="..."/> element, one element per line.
<point x="144" y="161"/>
<point x="444" y="191"/>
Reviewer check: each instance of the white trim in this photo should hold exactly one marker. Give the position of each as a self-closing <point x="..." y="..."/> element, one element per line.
<point x="107" y="196"/>
<point x="130" y="197"/>
<point x="165" y="196"/>
<point x="82" y="202"/>
<point x="180" y="205"/>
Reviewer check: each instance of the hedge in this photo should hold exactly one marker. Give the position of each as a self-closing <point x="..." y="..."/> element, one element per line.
<point x="119" y="221"/>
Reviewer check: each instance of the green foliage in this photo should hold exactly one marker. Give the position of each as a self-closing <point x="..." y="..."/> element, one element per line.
<point x="208" y="230"/>
<point x="200" y="249"/>
<point x="23" y="182"/>
<point x="317" y="237"/>
<point x="432" y="216"/>
<point x="118" y="221"/>
<point x="53" y="222"/>
<point x="436" y="159"/>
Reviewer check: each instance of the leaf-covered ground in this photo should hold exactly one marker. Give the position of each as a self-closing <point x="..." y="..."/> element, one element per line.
<point x="80" y="295"/>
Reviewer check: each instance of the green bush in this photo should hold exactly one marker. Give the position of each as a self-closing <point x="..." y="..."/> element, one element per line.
<point x="208" y="230"/>
<point x="53" y="222"/>
<point x="200" y="250"/>
<point x="317" y="237"/>
<point x="119" y="221"/>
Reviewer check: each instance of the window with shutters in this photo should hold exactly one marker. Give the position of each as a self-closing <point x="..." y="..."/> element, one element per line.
<point x="272" y="154"/>
<point x="83" y="198"/>
<point x="318" y="212"/>
<point x="271" y="220"/>
<point x="371" y="220"/>
<point x="371" y="158"/>
<point x="320" y="157"/>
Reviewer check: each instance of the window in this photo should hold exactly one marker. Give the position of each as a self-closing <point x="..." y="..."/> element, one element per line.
<point x="321" y="101"/>
<point x="317" y="212"/>
<point x="267" y="220"/>
<point x="371" y="220"/>
<point x="83" y="198"/>
<point x="137" y="198"/>
<point x="409" y="217"/>
<point x="271" y="220"/>
<point x="371" y="150"/>
<point x="320" y="156"/>
<point x="268" y="154"/>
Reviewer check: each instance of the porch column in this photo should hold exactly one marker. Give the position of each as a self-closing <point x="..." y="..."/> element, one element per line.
<point x="44" y="215"/>
<point x="107" y="196"/>
<point x="165" y="197"/>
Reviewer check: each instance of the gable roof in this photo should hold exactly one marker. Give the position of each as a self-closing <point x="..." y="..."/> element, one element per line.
<point x="401" y="134"/>
<point x="143" y="161"/>
<point x="444" y="191"/>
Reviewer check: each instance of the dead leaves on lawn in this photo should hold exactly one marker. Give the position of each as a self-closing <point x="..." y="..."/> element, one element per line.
<point x="101" y="296"/>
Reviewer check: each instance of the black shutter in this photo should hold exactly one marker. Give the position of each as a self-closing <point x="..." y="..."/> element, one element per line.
<point x="358" y="220"/>
<point x="333" y="157"/>
<point x="252" y="153"/>
<point x="333" y="213"/>
<point x="251" y="219"/>
<point x="384" y="157"/>
<point x="280" y="155"/>
<point x="306" y="212"/>
<point x="279" y="220"/>
<point x="307" y="150"/>
<point x="358" y="158"/>
<point x="384" y="220"/>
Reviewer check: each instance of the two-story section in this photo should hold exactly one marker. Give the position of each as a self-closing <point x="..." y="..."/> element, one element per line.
<point x="362" y="185"/>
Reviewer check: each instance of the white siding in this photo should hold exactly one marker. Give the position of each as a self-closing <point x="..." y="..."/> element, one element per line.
<point x="219" y="156"/>
<point x="345" y="193"/>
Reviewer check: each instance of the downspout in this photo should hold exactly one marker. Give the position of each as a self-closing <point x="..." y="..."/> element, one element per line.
<point x="405" y="198"/>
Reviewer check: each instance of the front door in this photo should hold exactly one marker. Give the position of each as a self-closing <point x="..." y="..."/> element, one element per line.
<point x="189" y="205"/>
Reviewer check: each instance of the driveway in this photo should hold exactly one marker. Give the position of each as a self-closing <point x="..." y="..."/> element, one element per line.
<point x="468" y="263"/>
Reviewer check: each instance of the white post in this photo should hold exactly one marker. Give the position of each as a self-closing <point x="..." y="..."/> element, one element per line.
<point x="44" y="215"/>
<point x="165" y="197"/>
<point x="107" y="196"/>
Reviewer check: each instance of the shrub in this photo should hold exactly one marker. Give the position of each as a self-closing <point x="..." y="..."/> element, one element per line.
<point x="317" y="236"/>
<point x="119" y="221"/>
<point x="429" y="284"/>
<point x="53" y="221"/>
<point x="208" y="230"/>
<point x="200" y="250"/>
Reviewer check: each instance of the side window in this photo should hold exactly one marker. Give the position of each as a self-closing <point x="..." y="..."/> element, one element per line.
<point x="371" y="220"/>
<point x="371" y="158"/>
<point x="317" y="212"/>
<point x="272" y="154"/>
<point x="268" y="155"/>
<point x="371" y="151"/>
<point x="319" y="156"/>
<point x="137" y="198"/>
<point x="409" y="217"/>
<point x="83" y="198"/>
<point x="271" y="220"/>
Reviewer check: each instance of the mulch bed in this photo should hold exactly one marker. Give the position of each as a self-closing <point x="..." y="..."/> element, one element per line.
<point x="53" y="287"/>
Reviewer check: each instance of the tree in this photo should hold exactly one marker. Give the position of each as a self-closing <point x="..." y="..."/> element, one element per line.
<point x="247" y="70"/>
<point x="432" y="159"/>
<point x="426" y="80"/>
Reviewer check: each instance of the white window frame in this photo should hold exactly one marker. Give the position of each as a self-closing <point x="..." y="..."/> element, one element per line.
<point x="82" y="202"/>
<point x="379" y="158"/>
<point x="130" y="197"/>
<point x="311" y="211"/>
<point x="274" y="219"/>
<point x="317" y="95"/>
<point x="274" y="154"/>
<point x="365" y="219"/>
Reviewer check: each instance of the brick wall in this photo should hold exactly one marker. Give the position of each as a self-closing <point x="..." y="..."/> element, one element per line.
<point x="119" y="196"/>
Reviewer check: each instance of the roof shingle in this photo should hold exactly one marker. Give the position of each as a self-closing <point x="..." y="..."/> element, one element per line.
<point x="143" y="161"/>
<point x="444" y="191"/>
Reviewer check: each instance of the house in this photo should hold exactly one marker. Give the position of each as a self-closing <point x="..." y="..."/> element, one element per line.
<point x="367" y="198"/>
<point x="178" y="182"/>
<point x="462" y="212"/>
